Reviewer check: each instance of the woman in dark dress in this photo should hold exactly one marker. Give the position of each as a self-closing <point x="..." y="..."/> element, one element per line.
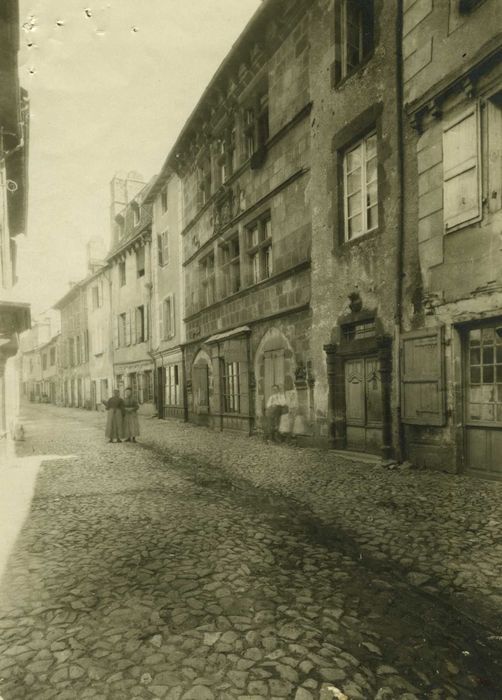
<point x="114" y="420"/>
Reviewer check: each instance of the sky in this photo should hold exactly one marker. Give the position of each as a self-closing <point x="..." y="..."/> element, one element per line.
<point x="110" y="85"/>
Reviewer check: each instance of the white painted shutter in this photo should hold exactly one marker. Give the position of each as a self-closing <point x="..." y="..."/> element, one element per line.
<point x="461" y="171"/>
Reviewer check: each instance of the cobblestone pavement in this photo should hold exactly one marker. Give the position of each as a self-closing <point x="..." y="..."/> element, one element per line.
<point x="143" y="573"/>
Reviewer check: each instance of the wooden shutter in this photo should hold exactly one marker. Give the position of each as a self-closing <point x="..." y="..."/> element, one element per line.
<point x="422" y="377"/>
<point x="161" y="321"/>
<point x="165" y="247"/>
<point x="128" y="328"/>
<point x="173" y="316"/>
<point x="146" y="321"/>
<point x="461" y="171"/>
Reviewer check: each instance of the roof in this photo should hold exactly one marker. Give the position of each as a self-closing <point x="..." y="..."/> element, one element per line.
<point x="245" y="36"/>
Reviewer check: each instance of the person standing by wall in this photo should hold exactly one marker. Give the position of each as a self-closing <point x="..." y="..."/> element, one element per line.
<point x="114" y="419"/>
<point x="131" y="423"/>
<point x="276" y="406"/>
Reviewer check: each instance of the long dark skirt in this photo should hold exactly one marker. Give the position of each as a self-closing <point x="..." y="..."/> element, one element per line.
<point x="114" y="424"/>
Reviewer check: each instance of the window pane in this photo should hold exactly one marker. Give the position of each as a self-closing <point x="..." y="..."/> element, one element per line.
<point x="487" y="335"/>
<point x="475" y="357"/>
<point x="487" y="374"/>
<point x="475" y="336"/>
<point x="475" y="375"/>
<point x="354" y="181"/>
<point x="488" y="355"/>
<point x="354" y="204"/>
<point x="371" y="146"/>
<point x="355" y="226"/>
<point x="371" y="170"/>
<point x="371" y="194"/>
<point x="353" y="159"/>
<point x="372" y="218"/>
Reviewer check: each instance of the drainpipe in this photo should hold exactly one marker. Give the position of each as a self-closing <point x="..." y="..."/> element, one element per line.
<point x="398" y="319"/>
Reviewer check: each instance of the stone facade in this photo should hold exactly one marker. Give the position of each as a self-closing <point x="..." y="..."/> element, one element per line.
<point x="130" y="278"/>
<point x="452" y="412"/>
<point x="355" y="272"/>
<point x="167" y="301"/>
<point x="247" y="228"/>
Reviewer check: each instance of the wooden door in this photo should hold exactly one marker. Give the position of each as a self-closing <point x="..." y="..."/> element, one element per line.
<point x="161" y="371"/>
<point x="483" y="400"/>
<point x="363" y="404"/>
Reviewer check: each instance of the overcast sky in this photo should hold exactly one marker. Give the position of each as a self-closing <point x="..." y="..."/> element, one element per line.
<point x="110" y="84"/>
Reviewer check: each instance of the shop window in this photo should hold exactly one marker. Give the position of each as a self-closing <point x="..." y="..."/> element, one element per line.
<point x="360" y="178"/>
<point x="140" y="262"/>
<point x="231" y="387"/>
<point x="133" y="385"/>
<point x="147" y="386"/>
<point x="485" y="375"/>
<point x="353" y="35"/>
<point x="231" y="269"/>
<point x="163" y="248"/>
<point x="207" y="280"/>
<point x="172" y="389"/>
<point x="259" y="241"/>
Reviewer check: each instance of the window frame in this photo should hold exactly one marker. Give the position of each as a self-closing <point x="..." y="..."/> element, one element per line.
<point x="229" y="264"/>
<point x="163" y="248"/>
<point x="231" y="388"/>
<point x="261" y="249"/>
<point x="364" y="186"/>
<point x="140" y="256"/>
<point x="366" y="39"/>
<point x="164" y="200"/>
<point x="207" y="279"/>
<point x="122" y="273"/>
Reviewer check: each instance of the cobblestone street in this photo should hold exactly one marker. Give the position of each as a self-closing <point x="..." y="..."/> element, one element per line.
<point x="163" y="570"/>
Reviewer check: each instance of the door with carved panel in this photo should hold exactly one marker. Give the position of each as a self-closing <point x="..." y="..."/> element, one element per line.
<point x="363" y="404"/>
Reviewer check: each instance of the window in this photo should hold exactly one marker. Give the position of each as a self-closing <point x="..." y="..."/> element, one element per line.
<point x="164" y="200"/>
<point x="148" y="386"/>
<point x="172" y="389"/>
<point x="140" y="324"/>
<point x="226" y="155"/>
<point x="140" y="262"/>
<point x="256" y="125"/>
<point x="85" y="346"/>
<point x="208" y="280"/>
<point x="163" y="248"/>
<point x="205" y="182"/>
<point x="122" y="329"/>
<point x="52" y="357"/>
<point x="231" y="387"/>
<point x="167" y="328"/>
<point x="353" y="35"/>
<point x="360" y="188"/>
<point x="136" y="213"/>
<point x="358" y="331"/>
<point x="97" y="296"/>
<point x="78" y="347"/>
<point x="122" y="273"/>
<point x="44" y="361"/>
<point x="260" y="249"/>
<point x="133" y="385"/>
<point x="71" y="351"/>
<point x="231" y="270"/>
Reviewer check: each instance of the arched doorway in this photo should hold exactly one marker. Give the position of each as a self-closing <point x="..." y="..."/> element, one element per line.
<point x="275" y="364"/>
<point x="201" y="387"/>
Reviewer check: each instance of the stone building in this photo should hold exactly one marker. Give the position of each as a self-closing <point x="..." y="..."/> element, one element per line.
<point x="167" y="330"/>
<point x="243" y="158"/>
<point x="130" y="278"/>
<point x="75" y="380"/>
<point x="14" y="118"/>
<point x="451" y="400"/>
<point x="99" y="323"/>
<point x="356" y="226"/>
<point x="39" y="361"/>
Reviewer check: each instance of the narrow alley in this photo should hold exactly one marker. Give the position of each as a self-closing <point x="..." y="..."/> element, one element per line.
<point x="140" y="575"/>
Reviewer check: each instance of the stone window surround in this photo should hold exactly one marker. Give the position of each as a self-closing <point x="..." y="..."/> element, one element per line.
<point x="368" y="120"/>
